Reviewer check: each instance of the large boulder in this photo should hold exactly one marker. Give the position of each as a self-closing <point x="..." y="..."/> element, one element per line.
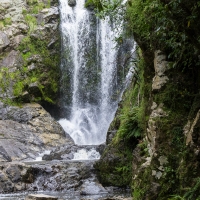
<point x="28" y="130"/>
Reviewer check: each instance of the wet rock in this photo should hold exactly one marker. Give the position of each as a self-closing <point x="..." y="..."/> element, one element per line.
<point x="4" y="155"/>
<point x="28" y="130"/>
<point x="13" y="172"/>
<point x="72" y="3"/>
<point x="91" y="188"/>
<point x="40" y="197"/>
<point x="66" y="152"/>
<point x="57" y="176"/>
<point x="157" y="111"/>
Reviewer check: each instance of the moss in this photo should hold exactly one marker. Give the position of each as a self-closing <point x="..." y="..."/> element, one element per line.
<point x="5" y="22"/>
<point x="35" y="6"/>
<point x="47" y="75"/>
<point x="114" y="168"/>
<point x="31" y="22"/>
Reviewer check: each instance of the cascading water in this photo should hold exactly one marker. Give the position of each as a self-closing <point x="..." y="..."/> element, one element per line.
<point x="91" y="83"/>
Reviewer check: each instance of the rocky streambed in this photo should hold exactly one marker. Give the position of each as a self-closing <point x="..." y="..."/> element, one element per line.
<point x="26" y="132"/>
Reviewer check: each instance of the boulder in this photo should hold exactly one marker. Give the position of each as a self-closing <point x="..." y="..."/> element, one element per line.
<point x="72" y="3"/>
<point x="92" y="188"/>
<point x="28" y="130"/>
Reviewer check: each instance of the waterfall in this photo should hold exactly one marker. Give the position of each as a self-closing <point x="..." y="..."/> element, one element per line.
<point x="91" y="83"/>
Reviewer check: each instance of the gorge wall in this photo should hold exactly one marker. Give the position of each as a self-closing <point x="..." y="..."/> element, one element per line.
<point x="153" y="142"/>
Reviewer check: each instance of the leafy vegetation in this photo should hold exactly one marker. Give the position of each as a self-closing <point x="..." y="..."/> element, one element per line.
<point x="35" y="6"/>
<point x="171" y="26"/>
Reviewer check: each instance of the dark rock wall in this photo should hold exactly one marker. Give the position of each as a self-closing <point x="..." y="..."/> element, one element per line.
<point x="161" y="116"/>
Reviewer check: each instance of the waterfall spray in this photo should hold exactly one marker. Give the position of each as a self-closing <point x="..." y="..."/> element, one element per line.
<point x="90" y="82"/>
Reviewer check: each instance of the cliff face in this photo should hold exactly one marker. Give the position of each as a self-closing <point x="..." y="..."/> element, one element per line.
<point x="158" y="117"/>
<point x="29" y="50"/>
<point x="158" y="120"/>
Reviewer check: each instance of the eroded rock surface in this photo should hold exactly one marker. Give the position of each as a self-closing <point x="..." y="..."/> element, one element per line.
<point x="160" y="66"/>
<point x="27" y="131"/>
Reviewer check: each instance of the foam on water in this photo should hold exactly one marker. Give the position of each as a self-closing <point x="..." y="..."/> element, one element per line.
<point x="89" y="119"/>
<point x="84" y="154"/>
<point x="39" y="158"/>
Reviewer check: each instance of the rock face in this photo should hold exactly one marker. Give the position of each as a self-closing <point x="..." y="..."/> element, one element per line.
<point x="27" y="131"/>
<point x="29" y="51"/>
<point x="165" y="157"/>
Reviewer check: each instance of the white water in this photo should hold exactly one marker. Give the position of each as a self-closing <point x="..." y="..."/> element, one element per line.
<point x="83" y="154"/>
<point x="39" y="158"/>
<point x="89" y="119"/>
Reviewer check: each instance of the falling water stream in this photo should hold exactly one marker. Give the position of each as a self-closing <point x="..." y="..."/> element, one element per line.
<point x="92" y="81"/>
<point x="90" y="85"/>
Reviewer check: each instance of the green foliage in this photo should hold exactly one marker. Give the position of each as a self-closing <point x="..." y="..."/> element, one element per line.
<point x="35" y="6"/>
<point x="176" y="197"/>
<point x="191" y="194"/>
<point x="8" y="84"/>
<point x="32" y="22"/>
<point x="166" y="26"/>
<point x="129" y="125"/>
<point x="138" y="194"/>
<point x="5" y="22"/>
<point x="18" y="88"/>
<point x="194" y="192"/>
<point x="35" y="47"/>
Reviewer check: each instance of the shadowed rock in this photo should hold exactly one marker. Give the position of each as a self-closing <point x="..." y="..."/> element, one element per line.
<point x="72" y="3"/>
<point x="40" y="197"/>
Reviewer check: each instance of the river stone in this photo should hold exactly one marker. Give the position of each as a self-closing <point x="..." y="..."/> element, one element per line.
<point x="91" y="188"/>
<point x="72" y="3"/>
<point x="40" y="197"/>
